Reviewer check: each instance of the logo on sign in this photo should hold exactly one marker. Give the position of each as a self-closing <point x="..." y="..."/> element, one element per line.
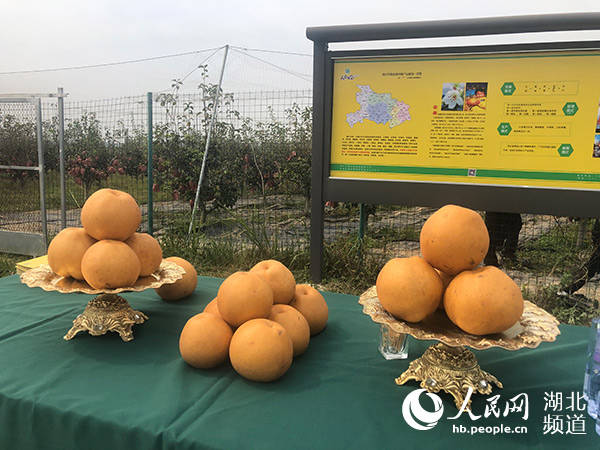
<point x="347" y="75"/>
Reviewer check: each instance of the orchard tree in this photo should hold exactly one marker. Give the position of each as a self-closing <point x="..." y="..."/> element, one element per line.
<point x="88" y="159"/>
<point x="19" y="147"/>
<point x="179" y="148"/>
<point x="297" y="167"/>
<point x="128" y="148"/>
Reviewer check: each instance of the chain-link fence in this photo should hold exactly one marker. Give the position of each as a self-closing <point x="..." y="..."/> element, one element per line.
<point x="254" y="201"/>
<point x="258" y="166"/>
<point x="23" y="225"/>
<point x="20" y="188"/>
<point x="535" y="250"/>
<point x="105" y="146"/>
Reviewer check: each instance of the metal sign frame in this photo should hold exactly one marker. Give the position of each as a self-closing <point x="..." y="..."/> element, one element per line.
<point x="563" y="202"/>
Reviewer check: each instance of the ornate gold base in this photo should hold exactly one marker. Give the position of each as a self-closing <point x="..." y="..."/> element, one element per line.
<point x="107" y="312"/>
<point x="450" y="369"/>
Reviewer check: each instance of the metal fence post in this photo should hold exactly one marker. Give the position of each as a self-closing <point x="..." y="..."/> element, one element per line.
<point x="362" y="222"/>
<point x="362" y="226"/>
<point x="41" y="169"/>
<point x="149" y="165"/>
<point x="61" y="158"/>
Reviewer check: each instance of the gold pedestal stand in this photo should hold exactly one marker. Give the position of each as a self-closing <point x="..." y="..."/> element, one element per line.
<point x="450" y="369"/>
<point x="108" y="311"/>
<point x="448" y="365"/>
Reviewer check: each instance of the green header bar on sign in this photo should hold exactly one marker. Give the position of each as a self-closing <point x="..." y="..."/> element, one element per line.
<point x="461" y="58"/>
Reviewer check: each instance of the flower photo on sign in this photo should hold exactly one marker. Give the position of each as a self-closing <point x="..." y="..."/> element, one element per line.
<point x="453" y="96"/>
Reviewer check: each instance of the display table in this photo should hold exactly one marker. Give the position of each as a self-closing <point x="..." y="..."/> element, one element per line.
<point x="103" y="393"/>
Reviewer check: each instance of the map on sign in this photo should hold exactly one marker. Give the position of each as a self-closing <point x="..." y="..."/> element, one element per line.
<point x="378" y="108"/>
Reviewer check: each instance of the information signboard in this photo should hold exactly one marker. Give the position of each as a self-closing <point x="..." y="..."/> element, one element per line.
<point x="504" y="128"/>
<point x="517" y="119"/>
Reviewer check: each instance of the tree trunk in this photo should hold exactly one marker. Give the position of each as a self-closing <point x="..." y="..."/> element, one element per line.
<point x="202" y="213"/>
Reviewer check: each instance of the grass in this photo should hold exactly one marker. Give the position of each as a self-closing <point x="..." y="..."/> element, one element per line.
<point x="223" y="256"/>
<point x="553" y="252"/>
<point x="24" y="195"/>
<point x="347" y="266"/>
<point x="245" y="239"/>
<point x="8" y="262"/>
<point x="393" y="234"/>
<point x="570" y="309"/>
<point x="350" y="267"/>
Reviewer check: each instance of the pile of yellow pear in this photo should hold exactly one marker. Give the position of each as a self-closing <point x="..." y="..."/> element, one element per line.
<point x="108" y="253"/>
<point x="478" y="299"/>
<point x="260" y="320"/>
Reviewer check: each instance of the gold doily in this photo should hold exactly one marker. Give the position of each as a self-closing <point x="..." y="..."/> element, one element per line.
<point x="43" y="277"/>
<point x="107" y="312"/>
<point x="534" y="327"/>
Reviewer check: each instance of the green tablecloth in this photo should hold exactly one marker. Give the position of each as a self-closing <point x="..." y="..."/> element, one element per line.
<point x="99" y="392"/>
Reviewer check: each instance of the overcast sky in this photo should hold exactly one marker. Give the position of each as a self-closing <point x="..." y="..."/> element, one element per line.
<point x="46" y="34"/>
